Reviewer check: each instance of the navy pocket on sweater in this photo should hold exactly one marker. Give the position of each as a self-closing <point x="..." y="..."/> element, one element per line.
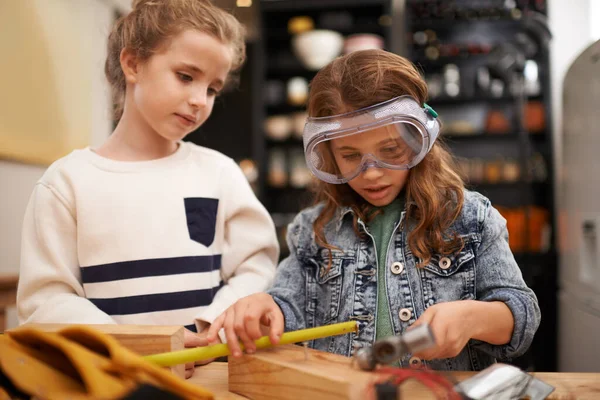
<point x="201" y="215"/>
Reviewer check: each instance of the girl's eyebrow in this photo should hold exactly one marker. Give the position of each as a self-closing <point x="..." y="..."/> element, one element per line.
<point x="385" y="141"/>
<point x="198" y="70"/>
<point x="381" y="143"/>
<point x="346" y="148"/>
<point x="192" y="67"/>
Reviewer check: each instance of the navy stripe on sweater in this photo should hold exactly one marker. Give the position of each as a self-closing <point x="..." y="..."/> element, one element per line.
<point x="150" y="267"/>
<point x="155" y="302"/>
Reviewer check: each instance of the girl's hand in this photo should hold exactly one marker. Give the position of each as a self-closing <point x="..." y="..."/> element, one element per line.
<point x="191" y="339"/>
<point x="452" y="326"/>
<point x="243" y="320"/>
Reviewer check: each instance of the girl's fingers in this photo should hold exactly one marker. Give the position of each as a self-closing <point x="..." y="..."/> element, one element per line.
<point x="189" y="370"/>
<point x="194" y="340"/>
<point x="214" y="328"/>
<point x="252" y="321"/>
<point x="276" y="322"/>
<point x="241" y="310"/>
<point x="426" y="317"/>
<point x="232" y="339"/>
<point x="204" y="362"/>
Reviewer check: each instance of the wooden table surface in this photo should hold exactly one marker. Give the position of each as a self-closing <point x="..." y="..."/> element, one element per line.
<point x="568" y="385"/>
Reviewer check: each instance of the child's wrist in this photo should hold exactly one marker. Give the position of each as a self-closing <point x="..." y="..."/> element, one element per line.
<point x="486" y="318"/>
<point x="472" y="317"/>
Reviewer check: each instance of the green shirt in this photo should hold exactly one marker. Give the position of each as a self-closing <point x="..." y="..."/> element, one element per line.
<point x="382" y="229"/>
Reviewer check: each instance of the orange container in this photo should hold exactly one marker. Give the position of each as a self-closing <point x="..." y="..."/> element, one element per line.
<point x="521" y="239"/>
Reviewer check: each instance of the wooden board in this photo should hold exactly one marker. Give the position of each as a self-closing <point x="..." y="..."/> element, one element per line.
<point x="141" y="339"/>
<point x="572" y="385"/>
<point x="291" y="372"/>
<point x="569" y="385"/>
<point x="284" y="373"/>
<point x="213" y="377"/>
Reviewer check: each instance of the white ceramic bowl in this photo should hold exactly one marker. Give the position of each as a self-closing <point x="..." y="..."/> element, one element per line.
<point x="317" y="48"/>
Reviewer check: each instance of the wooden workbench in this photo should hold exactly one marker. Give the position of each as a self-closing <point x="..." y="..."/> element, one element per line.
<point x="568" y="385"/>
<point x="214" y="376"/>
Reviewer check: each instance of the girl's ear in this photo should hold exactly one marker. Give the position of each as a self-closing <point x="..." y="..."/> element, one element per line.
<point x="129" y="65"/>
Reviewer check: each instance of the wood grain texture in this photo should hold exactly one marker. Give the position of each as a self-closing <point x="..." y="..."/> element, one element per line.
<point x="284" y="373"/>
<point x="572" y="385"/>
<point x="140" y="339"/>
<point x="287" y="372"/>
<point x="569" y="385"/>
<point x="214" y="377"/>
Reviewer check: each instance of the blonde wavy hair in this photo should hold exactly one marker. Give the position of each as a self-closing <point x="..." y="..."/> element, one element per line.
<point x="434" y="190"/>
<point x="152" y="22"/>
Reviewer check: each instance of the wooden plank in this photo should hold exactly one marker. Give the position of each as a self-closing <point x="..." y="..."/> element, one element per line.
<point x="141" y="339"/>
<point x="291" y="372"/>
<point x="213" y="377"/>
<point x="284" y="373"/>
<point x="216" y="378"/>
<point x="572" y="385"/>
<point x="568" y="385"/>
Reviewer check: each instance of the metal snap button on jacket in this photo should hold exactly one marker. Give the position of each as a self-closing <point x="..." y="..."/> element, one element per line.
<point x="414" y="362"/>
<point x="445" y="263"/>
<point x="405" y="314"/>
<point x="397" y="268"/>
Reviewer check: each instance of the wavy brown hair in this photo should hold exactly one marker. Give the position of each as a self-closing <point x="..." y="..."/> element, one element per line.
<point x="152" y="22"/>
<point x="434" y="190"/>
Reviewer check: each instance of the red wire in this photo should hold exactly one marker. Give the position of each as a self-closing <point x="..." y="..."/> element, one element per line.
<point x="434" y="381"/>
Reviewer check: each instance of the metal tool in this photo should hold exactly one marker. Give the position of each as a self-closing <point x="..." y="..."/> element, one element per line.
<point x="393" y="348"/>
<point x="504" y="382"/>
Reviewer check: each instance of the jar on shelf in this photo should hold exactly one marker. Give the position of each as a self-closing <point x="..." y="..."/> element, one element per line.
<point x="297" y="91"/>
<point x="298" y="122"/>
<point x="511" y="171"/>
<point x="277" y="175"/>
<point x="300" y="176"/>
<point x="278" y="127"/>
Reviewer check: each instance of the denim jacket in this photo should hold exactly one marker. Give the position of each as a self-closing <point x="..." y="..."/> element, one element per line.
<point x="311" y="295"/>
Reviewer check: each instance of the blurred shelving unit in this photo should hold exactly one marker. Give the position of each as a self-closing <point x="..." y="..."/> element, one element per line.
<point x="496" y="117"/>
<point x="285" y="178"/>
<point x="487" y="66"/>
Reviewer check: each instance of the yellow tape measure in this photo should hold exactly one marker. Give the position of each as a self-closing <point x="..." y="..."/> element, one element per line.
<point x="220" y="350"/>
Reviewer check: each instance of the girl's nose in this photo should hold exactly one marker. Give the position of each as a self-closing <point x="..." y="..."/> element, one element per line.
<point x="372" y="173"/>
<point x="198" y="99"/>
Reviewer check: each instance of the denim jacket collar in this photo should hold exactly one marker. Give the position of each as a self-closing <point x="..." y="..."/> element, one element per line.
<point x="341" y="212"/>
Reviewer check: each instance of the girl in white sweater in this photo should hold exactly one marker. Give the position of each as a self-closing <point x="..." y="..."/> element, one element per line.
<point x="146" y="228"/>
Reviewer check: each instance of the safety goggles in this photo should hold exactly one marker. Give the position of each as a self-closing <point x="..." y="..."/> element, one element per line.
<point x="395" y="134"/>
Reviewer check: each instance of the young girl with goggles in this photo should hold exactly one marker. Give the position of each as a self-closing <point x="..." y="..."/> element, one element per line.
<point x="394" y="240"/>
